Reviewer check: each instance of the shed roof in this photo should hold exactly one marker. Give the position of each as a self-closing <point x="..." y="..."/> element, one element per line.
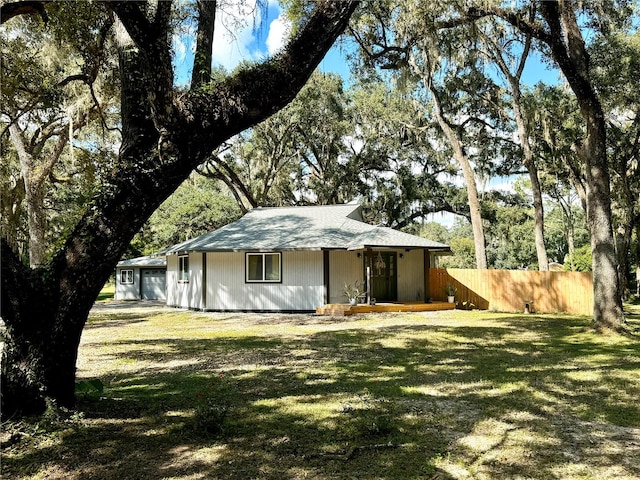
<point x="303" y="228"/>
<point x="148" y="261"/>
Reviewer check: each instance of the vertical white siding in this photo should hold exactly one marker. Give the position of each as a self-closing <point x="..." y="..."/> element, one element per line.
<point x="344" y="267"/>
<point x="195" y="281"/>
<point x="172" y="280"/>
<point x="302" y="286"/>
<point x="411" y="276"/>
<point x="128" y="291"/>
<point x="178" y="293"/>
<point x="225" y="275"/>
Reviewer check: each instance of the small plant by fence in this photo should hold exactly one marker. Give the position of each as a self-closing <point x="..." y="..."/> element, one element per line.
<point x="513" y="290"/>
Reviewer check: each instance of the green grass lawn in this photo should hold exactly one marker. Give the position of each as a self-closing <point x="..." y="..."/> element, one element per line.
<point x="107" y="292"/>
<point x="397" y="396"/>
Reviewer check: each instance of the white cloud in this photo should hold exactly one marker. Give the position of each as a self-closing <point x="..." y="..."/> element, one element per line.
<point x="446" y="219"/>
<point x="180" y="49"/>
<point x="233" y="34"/>
<point x="239" y="34"/>
<point x="279" y="31"/>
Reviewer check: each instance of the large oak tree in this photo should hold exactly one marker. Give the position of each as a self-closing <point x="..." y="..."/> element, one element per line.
<point x="166" y="133"/>
<point x="558" y="28"/>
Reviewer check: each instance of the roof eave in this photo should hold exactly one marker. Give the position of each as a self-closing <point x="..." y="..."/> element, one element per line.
<point x="352" y="248"/>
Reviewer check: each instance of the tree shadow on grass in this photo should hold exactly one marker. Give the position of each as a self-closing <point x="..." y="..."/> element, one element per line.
<point x="524" y="398"/>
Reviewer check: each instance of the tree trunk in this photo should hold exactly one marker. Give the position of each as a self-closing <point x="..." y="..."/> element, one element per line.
<point x="470" y="182"/>
<point x="34" y="196"/>
<point x="568" y="48"/>
<point x="204" y="39"/>
<point x="524" y="134"/>
<point x="571" y="244"/>
<point x="638" y="260"/>
<point x="37" y="222"/>
<point x="35" y="170"/>
<point x="529" y="163"/>
<point x="623" y="249"/>
<point x="607" y="295"/>
<point x="41" y="340"/>
<point x="460" y="156"/>
<point x="538" y="208"/>
<point x="474" y="209"/>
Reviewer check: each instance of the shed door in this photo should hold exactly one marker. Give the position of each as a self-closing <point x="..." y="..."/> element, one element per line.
<point x="153" y="284"/>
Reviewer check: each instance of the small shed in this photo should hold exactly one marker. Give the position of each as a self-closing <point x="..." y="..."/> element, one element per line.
<point x="142" y="278"/>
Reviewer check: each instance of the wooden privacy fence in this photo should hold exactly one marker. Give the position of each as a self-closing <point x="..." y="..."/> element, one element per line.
<point x="510" y="290"/>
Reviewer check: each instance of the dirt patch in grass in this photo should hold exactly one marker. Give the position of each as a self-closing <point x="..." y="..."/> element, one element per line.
<point x="394" y="396"/>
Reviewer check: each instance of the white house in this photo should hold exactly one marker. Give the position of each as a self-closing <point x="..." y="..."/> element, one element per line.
<point x="141" y="278"/>
<point x="297" y="259"/>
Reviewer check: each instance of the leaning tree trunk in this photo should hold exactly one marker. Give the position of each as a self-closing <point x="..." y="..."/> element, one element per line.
<point x="45" y="309"/>
<point x="165" y="135"/>
<point x="472" y="191"/>
<point x="469" y="179"/>
<point x="474" y="209"/>
<point x="524" y="134"/>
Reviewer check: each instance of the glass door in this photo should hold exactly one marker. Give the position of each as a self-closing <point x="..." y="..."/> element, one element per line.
<point x="384" y="275"/>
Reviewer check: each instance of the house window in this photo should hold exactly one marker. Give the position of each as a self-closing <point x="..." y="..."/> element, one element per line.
<point x="183" y="269"/>
<point x="126" y="277"/>
<point x="264" y="267"/>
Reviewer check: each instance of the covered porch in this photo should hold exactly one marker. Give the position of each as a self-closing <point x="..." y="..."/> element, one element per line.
<point x="344" y="309"/>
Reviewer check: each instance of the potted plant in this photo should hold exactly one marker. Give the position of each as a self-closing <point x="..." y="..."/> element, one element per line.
<point x="353" y="293"/>
<point x="450" y="291"/>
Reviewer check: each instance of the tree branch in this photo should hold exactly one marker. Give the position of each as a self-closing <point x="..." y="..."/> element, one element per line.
<point x="13" y="9"/>
<point x="134" y="20"/>
<point x="225" y="173"/>
<point x="518" y="20"/>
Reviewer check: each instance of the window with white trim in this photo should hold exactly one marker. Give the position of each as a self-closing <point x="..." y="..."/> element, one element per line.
<point x="126" y="277"/>
<point x="183" y="269"/>
<point x="263" y="267"/>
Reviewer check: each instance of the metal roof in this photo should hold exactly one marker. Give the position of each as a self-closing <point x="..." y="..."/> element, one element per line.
<point x="303" y="228"/>
<point x="148" y="261"/>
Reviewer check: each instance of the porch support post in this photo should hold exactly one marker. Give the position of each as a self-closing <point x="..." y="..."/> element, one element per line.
<point x="426" y="256"/>
<point x="204" y="281"/>
<point x="327" y="276"/>
<point x="368" y="261"/>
